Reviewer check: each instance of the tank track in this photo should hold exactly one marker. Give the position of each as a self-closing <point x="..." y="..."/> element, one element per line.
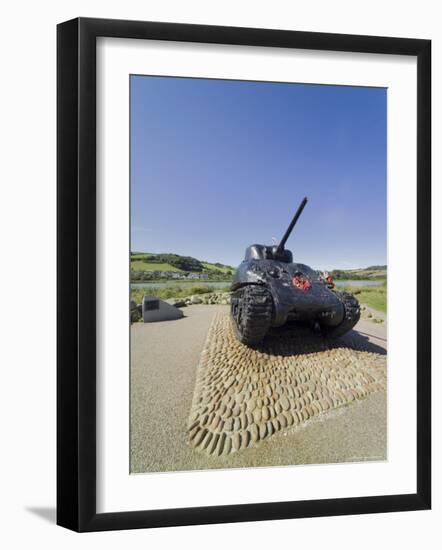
<point x="252" y="310"/>
<point x="352" y="313"/>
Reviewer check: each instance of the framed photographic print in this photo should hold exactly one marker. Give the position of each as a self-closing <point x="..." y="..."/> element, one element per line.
<point x="243" y="274"/>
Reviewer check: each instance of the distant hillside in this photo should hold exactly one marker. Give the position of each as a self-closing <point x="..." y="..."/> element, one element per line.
<point x="377" y="268"/>
<point x="176" y="266"/>
<point x="373" y="272"/>
<point x="147" y="261"/>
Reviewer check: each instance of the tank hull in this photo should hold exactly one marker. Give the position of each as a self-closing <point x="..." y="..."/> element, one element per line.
<point x="317" y="302"/>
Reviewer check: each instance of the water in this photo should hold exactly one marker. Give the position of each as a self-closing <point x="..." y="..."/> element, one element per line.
<point x="217" y="284"/>
<point x="363" y="282"/>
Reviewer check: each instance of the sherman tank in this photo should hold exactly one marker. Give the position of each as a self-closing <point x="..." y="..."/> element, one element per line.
<point x="269" y="289"/>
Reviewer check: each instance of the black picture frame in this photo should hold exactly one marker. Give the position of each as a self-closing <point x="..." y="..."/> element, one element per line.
<point x="76" y="274"/>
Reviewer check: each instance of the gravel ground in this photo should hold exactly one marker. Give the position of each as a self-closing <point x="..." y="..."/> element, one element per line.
<point x="165" y="356"/>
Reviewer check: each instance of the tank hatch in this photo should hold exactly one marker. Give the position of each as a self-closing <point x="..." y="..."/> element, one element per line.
<point x="263" y="252"/>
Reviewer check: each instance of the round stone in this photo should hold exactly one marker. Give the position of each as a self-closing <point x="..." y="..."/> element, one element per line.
<point x="275" y="423"/>
<point x="206" y="440"/>
<point x="316" y="407"/>
<point x="251" y="404"/>
<point x="243" y="419"/>
<point x="324" y="404"/>
<point x="285" y="403"/>
<point x="213" y="444"/>
<point x="205" y="420"/>
<point x="239" y="398"/>
<point x="236" y="441"/>
<point x="262" y="430"/>
<point x="245" y="439"/>
<point x="200" y="435"/>
<point x="254" y="433"/>
<point x="227" y="446"/>
<point x="193" y="425"/>
<point x="215" y="422"/>
<point x="228" y="425"/>
<point x="288" y="415"/>
<point x="221" y="443"/>
<point x="282" y="420"/>
<point x="194" y="431"/>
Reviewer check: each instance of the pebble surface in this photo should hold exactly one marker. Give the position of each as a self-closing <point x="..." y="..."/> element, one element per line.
<point x="243" y="396"/>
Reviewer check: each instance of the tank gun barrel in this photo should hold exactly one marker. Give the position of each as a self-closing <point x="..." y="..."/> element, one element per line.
<point x="292" y="225"/>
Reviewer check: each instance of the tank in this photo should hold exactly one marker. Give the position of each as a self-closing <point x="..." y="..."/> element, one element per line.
<point x="269" y="289"/>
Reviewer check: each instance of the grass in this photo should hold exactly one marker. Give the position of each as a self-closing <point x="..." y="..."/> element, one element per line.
<point x="144" y="266"/>
<point x="359" y="274"/>
<point x="212" y="267"/>
<point x="173" y="292"/>
<point x="142" y="261"/>
<point x="373" y="296"/>
<point x="138" y="255"/>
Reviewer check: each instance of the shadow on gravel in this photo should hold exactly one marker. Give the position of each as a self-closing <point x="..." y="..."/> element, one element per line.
<point x="300" y="340"/>
<point x="360" y="342"/>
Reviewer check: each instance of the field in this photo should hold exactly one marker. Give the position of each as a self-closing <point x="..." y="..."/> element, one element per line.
<point x="373" y="273"/>
<point x="139" y="265"/>
<point x="372" y="296"/>
<point x="136" y="255"/>
<point x="147" y="261"/>
<point x="213" y="267"/>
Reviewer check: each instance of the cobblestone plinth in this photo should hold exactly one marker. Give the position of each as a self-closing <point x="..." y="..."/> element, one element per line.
<point x="243" y="396"/>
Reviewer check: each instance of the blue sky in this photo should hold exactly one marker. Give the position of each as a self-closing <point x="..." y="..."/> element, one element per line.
<point x="217" y="165"/>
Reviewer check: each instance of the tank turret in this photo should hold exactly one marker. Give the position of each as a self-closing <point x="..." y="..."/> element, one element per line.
<point x="269" y="289"/>
<point x="276" y="252"/>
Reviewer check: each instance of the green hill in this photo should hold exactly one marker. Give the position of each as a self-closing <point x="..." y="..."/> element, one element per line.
<point x="374" y="272"/>
<point x="148" y="261"/>
<point x="141" y="265"/>
<point x="217" y="267"/>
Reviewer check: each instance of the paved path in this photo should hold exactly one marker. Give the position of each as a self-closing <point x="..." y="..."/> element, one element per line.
<point x="164" y="360"/>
